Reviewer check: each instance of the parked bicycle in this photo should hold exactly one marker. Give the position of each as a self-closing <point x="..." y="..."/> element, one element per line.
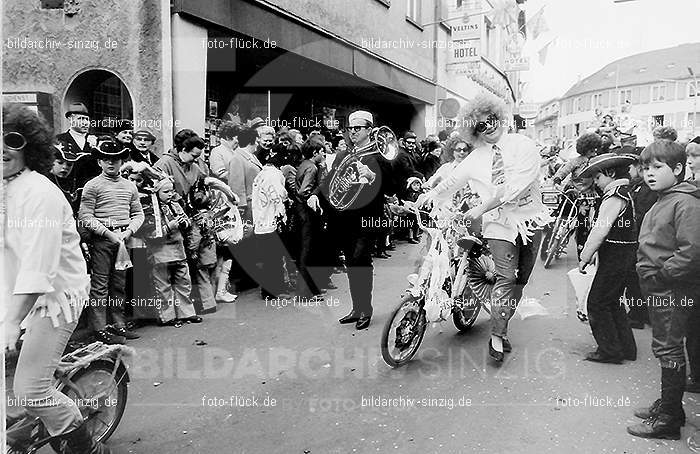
<point x="557" y="235"/>
<point x="455" y="278"/>
<point x="96" y="378"/>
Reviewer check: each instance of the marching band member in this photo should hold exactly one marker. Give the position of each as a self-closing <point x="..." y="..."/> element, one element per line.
<point x="357" y="225"/>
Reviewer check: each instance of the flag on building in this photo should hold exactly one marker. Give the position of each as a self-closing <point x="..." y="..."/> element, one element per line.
<point x="537" y="24"/>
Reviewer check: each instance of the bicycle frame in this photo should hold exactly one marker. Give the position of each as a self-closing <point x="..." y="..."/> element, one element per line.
<point x="456" y="279"/>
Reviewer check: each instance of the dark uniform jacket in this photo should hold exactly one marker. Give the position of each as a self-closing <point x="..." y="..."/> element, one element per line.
<point x="85" y="168"/>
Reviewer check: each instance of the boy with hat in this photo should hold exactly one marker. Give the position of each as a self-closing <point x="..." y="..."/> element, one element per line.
<point x="143" y="147"/>
<point x="614" y="238"/>
<point x="111" y="211"/>
<point x="668" y="263"/>
<point x="63" y="163"/>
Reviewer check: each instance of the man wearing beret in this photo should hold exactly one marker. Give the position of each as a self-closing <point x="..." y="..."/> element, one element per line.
<point x="354" y="225"/>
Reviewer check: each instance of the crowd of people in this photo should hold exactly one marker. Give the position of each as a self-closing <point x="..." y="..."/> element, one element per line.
<point x="153" y="249"/>
<point x="139" y="233"/>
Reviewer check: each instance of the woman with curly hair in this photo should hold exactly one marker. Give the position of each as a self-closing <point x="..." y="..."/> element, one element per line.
<point x="45" y="282"/>
<point x="504" y="170"/>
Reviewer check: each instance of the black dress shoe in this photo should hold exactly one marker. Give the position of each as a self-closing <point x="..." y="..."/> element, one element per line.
<point x="391" y="246"/>
<point x="507" y="348"/>
<point x="495" y="354"/>
<point x="193" y="319"/>
<point x="352" y="317"/>
<point x="363" y="321"/>
<point x="598" y="357"/>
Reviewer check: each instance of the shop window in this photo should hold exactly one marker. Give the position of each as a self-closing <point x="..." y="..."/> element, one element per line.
<point x="596" y="100"/>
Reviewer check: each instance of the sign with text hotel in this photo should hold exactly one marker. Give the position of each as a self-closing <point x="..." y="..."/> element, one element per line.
<point x="516" y="63"/>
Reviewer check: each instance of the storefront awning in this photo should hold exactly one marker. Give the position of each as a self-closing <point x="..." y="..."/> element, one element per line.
<point x="301" y="39"/>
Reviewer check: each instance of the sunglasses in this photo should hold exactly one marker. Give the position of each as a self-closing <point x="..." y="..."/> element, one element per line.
<point x="482" y="126"/>
<point x="410" y="142"/>
<point x="13" y="141"/>
<point x="461" y="148"/>
<point x="356" y="128"/>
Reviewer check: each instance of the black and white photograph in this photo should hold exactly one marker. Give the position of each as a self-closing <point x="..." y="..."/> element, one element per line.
<point x="350" y="226"/>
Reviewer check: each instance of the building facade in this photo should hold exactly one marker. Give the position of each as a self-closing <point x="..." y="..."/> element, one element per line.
<point x="183" y="64"/>
<point x="640" y="92"/>
<point x="547" y="123"/>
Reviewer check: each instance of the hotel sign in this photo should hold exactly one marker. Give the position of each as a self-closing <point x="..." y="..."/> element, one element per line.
<point x="516" y="63"/>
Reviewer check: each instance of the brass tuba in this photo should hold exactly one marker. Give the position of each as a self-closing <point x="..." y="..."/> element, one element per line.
<point x="346" y="184"/>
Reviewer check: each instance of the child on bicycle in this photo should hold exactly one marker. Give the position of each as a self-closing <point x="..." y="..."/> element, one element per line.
<point x="614" y="238"/>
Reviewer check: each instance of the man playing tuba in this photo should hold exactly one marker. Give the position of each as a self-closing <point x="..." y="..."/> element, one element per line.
<point x="357" y="223"/>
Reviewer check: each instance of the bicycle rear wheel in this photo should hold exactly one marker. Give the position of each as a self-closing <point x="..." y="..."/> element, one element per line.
<point x="404" y="331"/>
<point x="101" y="399"/>
<point x="554" y="243"/>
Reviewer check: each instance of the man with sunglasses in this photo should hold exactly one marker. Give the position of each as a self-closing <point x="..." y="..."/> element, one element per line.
<point x="356" y="225"/>
<point x="405" y="165"/>
<point x="504" y="170"/>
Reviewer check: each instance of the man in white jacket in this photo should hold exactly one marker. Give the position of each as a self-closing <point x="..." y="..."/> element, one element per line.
<point x="504" y="170"/>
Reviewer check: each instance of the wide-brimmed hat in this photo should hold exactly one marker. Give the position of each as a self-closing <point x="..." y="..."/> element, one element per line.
<point x="110" y="150"/>
<point x="77" y="108"/>
<point x="62" y="151"/>
<point x="606" y="161"/>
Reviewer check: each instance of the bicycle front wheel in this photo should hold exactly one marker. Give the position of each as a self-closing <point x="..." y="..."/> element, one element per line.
<point x="404" y="331"/>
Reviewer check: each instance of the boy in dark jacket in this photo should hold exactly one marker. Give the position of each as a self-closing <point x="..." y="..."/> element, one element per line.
<point x="668" y="263"/>
<point x="643" y="198"/>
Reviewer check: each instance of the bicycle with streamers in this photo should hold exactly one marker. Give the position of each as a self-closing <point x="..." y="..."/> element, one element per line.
<point x="454" y="281"/>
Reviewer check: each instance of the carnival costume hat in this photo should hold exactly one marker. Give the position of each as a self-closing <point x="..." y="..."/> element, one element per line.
<point x="110" y="150"/>
<point x="360" y="115"/>
<point x="606" y="161"/>
<point x="61" y="151"/>
<point x="77" y="108"/>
